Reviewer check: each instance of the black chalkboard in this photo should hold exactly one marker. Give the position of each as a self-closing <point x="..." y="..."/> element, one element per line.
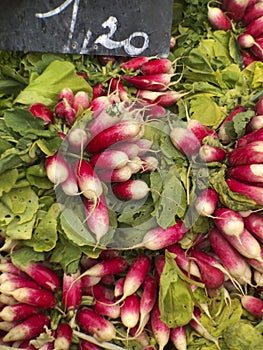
<point x="101" y="27"/>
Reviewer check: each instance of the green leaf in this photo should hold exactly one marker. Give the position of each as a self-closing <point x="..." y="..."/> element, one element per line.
<point x="24" y="255"/>
<point x="21" y="121"/>
<point x="20" y="231"/>
<point x="36" y="176"/>
<point x="175" y="297"/>
<point x="7" y="180"/>
<point x="22" y="201"/>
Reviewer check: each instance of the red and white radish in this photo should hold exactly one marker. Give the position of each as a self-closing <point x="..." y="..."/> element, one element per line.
<point x="229" y="222"/>
<point x="206" y="202"/>
<point x="42" y="111"/>
<point x="63" y="337"/>
<point x="254" y="224"/>
<point x="130" y="189"/>
<point x="71" y="291"/>
<point x="35" y="297"/>
<point x="253" y="192"/>
<point x="218" y="19"/>
<point x="210" y="153"/>
<point x="110" y="159"/>
<point x="253" y="305"/>
<point x="161" y="332"/>
<point x="185" y="141"/>
<point x="57" y="168"/>
<point x="130" y="311"/>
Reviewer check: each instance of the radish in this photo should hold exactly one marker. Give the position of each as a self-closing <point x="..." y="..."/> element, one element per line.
<point x="130" y="311"/>
<point x="135" y="164"/>
<point x="66" y="112"/>
<point x="42" y="111"/>
<point x="158" y="66"/>
<point x="71" y="291"/>
<point x="35" y="297"/>
<point x="88" y="181"/>
<point x="178" y="338"/>
<point x="257" y="48"/>
<point x="110" y="159"/>
<point x="258" y="278"/>
<point x="130" y="148"/>
<point x="17" y="312"/>
<point x="161" y="332"/>
<point x="7" y="326"/>
<point x="199" y="130"/>
<point x="118" y="287"/>
<point x="255" y="28"/>
<point x="259" y="106"/>
<point x="87" y="282"/>
<point x="7" y="300"/>
<point x="254" y="224"/>
<point x="77" y="139"/>
<point x="8" y="286"/>
<point x="98" y="90"/>
<point x="117" y="86"/>
<point x="211" y="271"/>
<point x="103" y="121"/>
<point x="70" y="185"/>
<point x="130" y="189"/>
<point x="185" y="141"/>
<point x="230" y="257"/>
<point x="159" y="262"/>
<point x="248" y="58"/>
<point x="66" y="94"/>
<point x="135" y="275"/>
<point x="251" y="173"/>
<point x="256" y="263"/>
<point x="184" y="261"/>
<point x="256" y="135"/>
<point x="97" y="216"/>
<point x="81" y="101"/>
<point x="115" y="175"/>
<point x="102" y="329"/>
<point x="99" y="291"/>
<point x="147" y="301"/>
<point x="218" y="19"/>
<point x="43" y="275"/>
<point x="246" y="40"/>
<point x="153" y="82"/>
<point x="7" y="266"/>
<point x="135" y="62"/>
<point x="102" y="268"/>
<point x="253" y="192"/>
<point x="159" y="238"/>
<point x="206" y="202"/>
<point x="87" y="345"/>
<point x="253" y="305"/>
<point x="255" y="123"/>
<point x="116" y="133"/>
<point x="57" y="168"/>
<point x="28" y="329"/>
<point x="144" y="145"/>
<point x="63" y="337"/>
<point x="229" y="222"/>
<point x="212" y="153"/>
<point x="104" y="307"/>
<point x="99" y="104"/>
<point x="149" y="163"/>
<point x="162" y="98"/>
<point x="252" y="153"/>
<point x="222" y="134"/>
<point x="236" y="9"/>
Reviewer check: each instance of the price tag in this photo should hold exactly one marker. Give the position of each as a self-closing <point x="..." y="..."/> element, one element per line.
<point x="103" y="27"/>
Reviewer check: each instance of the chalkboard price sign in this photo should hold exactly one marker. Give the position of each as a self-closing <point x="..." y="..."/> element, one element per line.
<point x="106" y="27"/>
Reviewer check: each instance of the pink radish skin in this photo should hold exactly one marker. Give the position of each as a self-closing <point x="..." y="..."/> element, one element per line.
<point x="236" y="9"/>
<point x="144" y="145"/>
<point x="42" y="111"/>
<point x="135" y="275"/>
<point x="184" y="261"/>
<point x="66" y="112"/>
<point x="17" y="312"/>
<point x="77" y="139"/>
<point x="253" y="305"/>
<point x="87" y="282"/>
<point x="223" y="136"/>
<point x="212" y="153"/>
<point x="257" y="48"/>
<point x="99" y="104"/>
<point x="159" y="262"/>
<point x="118" y="287"/>
<point x="229" y="256"/>
<point x="35" y="297"/>
<point x="211" y="275"/>
<point x="147" y="301"/>
<point x="97" y="216"/>
<point x="106" y="267"/>
<point x="206" y="202"/>
<point x="253" y="192"/>
<point x="63" y="337"/>
<point x="161" y="332"/>
<point x="66" y="94"/>
<point x="130" y="148"/>
<point x="71" y="291"/>
<point x="229" y="222"/>
<point x="86" y="345"/>
<point x="98" y="90"/>
<point x="164" y="99"/>
<point x="255" y="28"/>
<point x="88" y="181"/>
<point x="99" y="291"/>
<point x="255" y="123"/>
<point x="252" y="153"/>
<point x="254" y="224"/>
<point x="115" y="175"/>
<point x="110" y="159"/>
<point x="256" y="263"/>
<point x="185" y="141"/>
<point x="178" y="338"/>
<point x="118" y="87"/>
<point x="135" y="63"/>
<point x="253" y="136"/>
<point x="218" y="19"/>
<point x="104" y="307"/>
<point x="130" y="311"/>
<point x="130" y="190"/>
<point x="248" y="57"/>
<point x="246" y="40"/>
<point x="116" y="133"/>
<point x="199" y="130"/>
<point x="159" y="238"/>
<point x="259" y="106"/>
<point x="9" y="286"/>
<point x="43" y="275"/>
<point x="57" y="168"/>
<point x="70" y="186"/>
<point x="28" y="329"/>
<point x="251" y="172"/>
<point x="153" y="82"/>
<point x="158" y="66"/>
<point x="99" y="327"/>
<point x="8" y="266"/>
<point x="103" y="121"/>
<point x="81" y="101"/>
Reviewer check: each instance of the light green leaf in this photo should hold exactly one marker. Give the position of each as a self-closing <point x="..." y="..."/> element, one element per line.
<point x="7" y="180"/>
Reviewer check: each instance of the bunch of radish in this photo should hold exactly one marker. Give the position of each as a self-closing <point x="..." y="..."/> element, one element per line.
<point x="246" y="18"/>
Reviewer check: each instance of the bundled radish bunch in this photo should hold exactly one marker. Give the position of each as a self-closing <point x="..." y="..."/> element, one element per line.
<point x="246" y="17"/>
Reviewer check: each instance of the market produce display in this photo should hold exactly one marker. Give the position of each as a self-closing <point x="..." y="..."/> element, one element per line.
<point x="131" y="191"/>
